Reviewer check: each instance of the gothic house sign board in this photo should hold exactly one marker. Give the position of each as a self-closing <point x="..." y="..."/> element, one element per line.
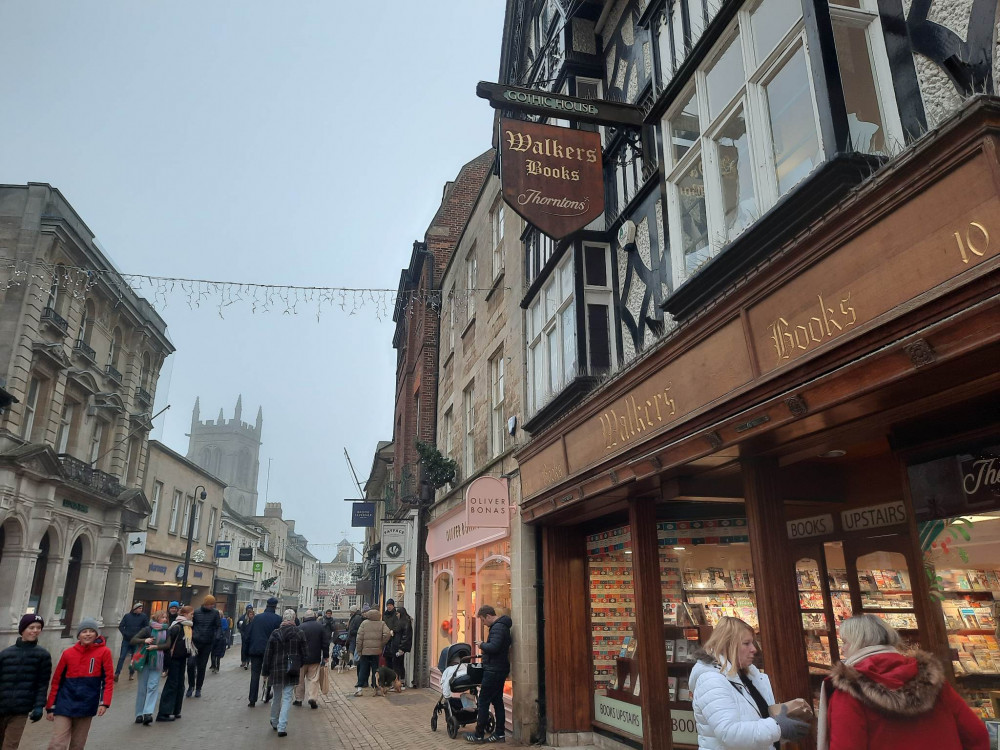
<point x="553" y="177"/>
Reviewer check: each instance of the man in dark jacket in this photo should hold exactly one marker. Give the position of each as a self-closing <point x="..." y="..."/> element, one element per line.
<point x="352" y="631"/>
<point x="317" y="652"/>
<point x="496" y="667"/>
<point x="257" y="634"/>
<point x="172" y="612"/>
<point x="131" y="624"/>
<point x="25" y="669"/>
<point x="206" y="629"/>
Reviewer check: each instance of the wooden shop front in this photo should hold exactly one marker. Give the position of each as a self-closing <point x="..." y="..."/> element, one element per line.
<point x="821" y="441"/>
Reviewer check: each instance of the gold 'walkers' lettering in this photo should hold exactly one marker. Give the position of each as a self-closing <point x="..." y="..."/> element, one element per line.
<point x="635" y="416"/>
<point x="524" y="143"/>
<point x="789" y="338"/>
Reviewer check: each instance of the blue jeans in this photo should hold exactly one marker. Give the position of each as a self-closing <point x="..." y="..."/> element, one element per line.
<point x="282" y="701"/>
<point x="126" y="653"/>
<point x="148" y="690"/>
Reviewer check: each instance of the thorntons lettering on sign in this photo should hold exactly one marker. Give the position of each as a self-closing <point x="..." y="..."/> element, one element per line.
<point x="553" y="177"/>
<point x="981" y="478"/>
<point x="487" y="503"/>
<point x="803" y="528"/>
<point x="877" y="516"/>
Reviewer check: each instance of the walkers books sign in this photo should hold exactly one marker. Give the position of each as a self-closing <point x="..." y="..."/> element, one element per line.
<point x="553" y="177"/>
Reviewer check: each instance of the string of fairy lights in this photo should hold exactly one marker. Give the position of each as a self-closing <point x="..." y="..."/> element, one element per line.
<point x="44" y="279"/>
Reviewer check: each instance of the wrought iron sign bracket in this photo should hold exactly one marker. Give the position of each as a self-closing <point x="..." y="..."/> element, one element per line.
<point x="537" y="102"/>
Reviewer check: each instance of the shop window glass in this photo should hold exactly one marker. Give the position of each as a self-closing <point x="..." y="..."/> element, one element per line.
<point x="443" y="619"/>
<point x="695" y="245"/>
<point x="736" y="170"/>
<point x="886" y="591"/>
<point x="793" y="123"/>
<point x="770" y="21"/>
<point x="494" y="585"/>
<point x="684" y="128"/>
<point x="864" y="112"/>
<point x="612" y="614"/>
<point x="725" y="78"/>
<point x="962" y="561"/>
<point x="815" y="628"/>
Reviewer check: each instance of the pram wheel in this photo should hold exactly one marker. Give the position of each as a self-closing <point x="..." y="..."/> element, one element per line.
<point x="434" y="722"/>
<point x="452" y="727"/>
<point x="491" y="724"/>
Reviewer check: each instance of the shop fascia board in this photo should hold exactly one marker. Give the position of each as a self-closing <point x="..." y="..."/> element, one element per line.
<point x="949" y="339"/>
<point x="969" y="133"/>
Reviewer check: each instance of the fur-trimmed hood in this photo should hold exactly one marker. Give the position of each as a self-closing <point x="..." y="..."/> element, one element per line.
<point x="897" y="685"/>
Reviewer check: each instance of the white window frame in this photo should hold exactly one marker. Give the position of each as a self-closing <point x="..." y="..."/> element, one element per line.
<point x="471" y="272"/>
<point x="498" y="426"/>
<point x="30" y="407"/>
<point x="65" y="426"/>
<point x="96" y="439"/>
<point x="198" y="505"/>
<point x="152" y="522"/>
<point x="210" y="532"/>
<point x="469" y="428"/>
<point x="497" y="221"/>
<point x="174" y="510"/>
<point x="542" y="329"/>
<point x="186" y="520"/>
<point x="598" y="295"/>
<point x="448" y="428"/>
<point x="451" y="320"/>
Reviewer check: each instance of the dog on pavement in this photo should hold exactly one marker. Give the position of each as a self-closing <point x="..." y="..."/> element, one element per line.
<point x="388" y="680"/>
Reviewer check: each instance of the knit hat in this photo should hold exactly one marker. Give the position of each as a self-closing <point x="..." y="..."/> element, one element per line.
<point x="174" y="604"/>
<point x="249" y="607"/>
<point x="88" y="623"/>
<point x="272" y="602"/>
<point x="28" y="620"/>
<point x="208" y="601"/>
<point x="289" y="615"/>
<point x="137" y="605"/>
<point x="390" y="601"/>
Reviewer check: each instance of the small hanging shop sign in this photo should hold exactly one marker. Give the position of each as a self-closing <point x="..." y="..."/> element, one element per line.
<point x="487" y="503"/>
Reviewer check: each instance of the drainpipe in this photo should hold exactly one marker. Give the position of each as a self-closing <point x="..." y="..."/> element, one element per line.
<point x="541" y="734"/>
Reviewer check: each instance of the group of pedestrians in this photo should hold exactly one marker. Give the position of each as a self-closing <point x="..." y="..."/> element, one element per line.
<point x="380" y="642"/>
<point x="289" y="654"/>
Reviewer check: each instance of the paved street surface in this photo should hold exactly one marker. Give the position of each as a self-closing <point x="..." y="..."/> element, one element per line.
<point x="221" y="718"/>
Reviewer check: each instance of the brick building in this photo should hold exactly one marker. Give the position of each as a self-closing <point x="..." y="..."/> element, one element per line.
<point x="417" y="319"/>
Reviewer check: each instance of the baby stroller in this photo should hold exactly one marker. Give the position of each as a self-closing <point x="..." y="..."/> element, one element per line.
<point x="459" y="675"/>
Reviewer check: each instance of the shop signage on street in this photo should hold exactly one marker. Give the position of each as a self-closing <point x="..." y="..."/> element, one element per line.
<point x="532" y="101"/>
<point x="487" y="503"/>
<point x="803" y="528"/>
<point x="981" y="477"/>
<point x="553" y="177"/>
<point x="246" y="554"/>
<point x="619" y="714"/>
<point x="258" y="567"/>
<point x="363" y="515"/>
<point x="450" y="534"/>
<point x="222" y="550"/>
<point x="395" y="542"/>
<point x="136" y="544"/>
<point x="875" y="517"/>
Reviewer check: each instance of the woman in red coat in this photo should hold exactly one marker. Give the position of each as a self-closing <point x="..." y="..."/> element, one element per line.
<point x="880" y="699"/>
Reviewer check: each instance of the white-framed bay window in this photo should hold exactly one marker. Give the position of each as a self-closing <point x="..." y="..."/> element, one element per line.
<point x="746" y="129"/>
<point x="497" y="219"/>
<point x="448" y="433"/>
<point x="551" y="336"/>
<point x="599" y="316"/>
<point x="469" y="429"/>
<point x="498" y="422"/>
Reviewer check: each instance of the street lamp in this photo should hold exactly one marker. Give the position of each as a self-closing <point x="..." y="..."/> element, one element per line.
<point x="185" y="593"/>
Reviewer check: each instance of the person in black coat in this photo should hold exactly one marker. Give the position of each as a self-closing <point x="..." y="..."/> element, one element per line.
<point x="496" y="666"/>
<point x="206" y="630"/>
<point x="401" y="644"/>
<point x="352" y="632"/>
<point x="282" y="665"/>
<point x="243" y="625"/>
<point x="257" y="634"/>
<point x="25" y="669"/>
<point x="131" y="624"/>
<point x="317" y="652"/>
<point x="179" y="647"/>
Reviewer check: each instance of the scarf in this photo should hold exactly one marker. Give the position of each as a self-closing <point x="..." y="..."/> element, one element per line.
<point x="187" y="627"/>
<point x="822" y="730"/>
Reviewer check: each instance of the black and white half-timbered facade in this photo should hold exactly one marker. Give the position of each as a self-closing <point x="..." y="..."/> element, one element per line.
<point x="759" y="116"/>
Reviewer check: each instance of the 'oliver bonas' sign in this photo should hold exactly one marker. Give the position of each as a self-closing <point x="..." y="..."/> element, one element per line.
<point x="553" y="177"/>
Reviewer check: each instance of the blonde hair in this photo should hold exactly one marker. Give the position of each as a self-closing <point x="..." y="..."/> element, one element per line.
<point x="159" y="615"/>
<point x="862" y="631"/>
<point x="724" y="643"/>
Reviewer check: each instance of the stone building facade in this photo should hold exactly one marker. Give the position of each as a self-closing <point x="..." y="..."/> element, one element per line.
<point x="81" y="353"/>
<point x="242" y="534"/>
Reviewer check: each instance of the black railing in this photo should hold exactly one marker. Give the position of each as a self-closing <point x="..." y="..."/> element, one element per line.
<point x="84" y="349"/>
<point x="143" y="395"/>
<point x="113" y="373"/>
<point x="82" y="473"/>
<point x="50" y="315"/>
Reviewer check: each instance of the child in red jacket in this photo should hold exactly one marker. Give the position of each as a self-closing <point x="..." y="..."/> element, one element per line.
<point x="82" y="683"/>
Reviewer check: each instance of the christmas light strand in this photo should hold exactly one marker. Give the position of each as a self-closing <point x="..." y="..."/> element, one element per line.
<point x="42" y="277"/>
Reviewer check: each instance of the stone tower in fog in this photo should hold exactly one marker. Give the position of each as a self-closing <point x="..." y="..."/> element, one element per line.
<point x="229" y="449"/>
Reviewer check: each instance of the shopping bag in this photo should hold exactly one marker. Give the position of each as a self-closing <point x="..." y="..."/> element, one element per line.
<point x="324" y="681"/>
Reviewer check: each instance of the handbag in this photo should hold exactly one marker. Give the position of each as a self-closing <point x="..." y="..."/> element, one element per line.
<point x="324" y="681"/>
<point x="292" y="667"/>
<point x="139" y="659"/>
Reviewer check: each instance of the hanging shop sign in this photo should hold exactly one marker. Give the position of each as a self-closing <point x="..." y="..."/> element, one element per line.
<point x="246" y="554"/>
<point x="363" y="515"/>
<point x="395" y="542"/>
<point x="487" y="503"/>
<point x="222" y="550"/>
<point x="136" y="544"/>
<point x="535" y="102"/>
<point x="258" y="567"/>
<point x="553" y="177"/>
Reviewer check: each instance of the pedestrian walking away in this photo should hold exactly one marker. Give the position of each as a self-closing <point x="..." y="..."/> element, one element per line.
<point x="82" y="686"/>
<point x="131" y="624"/>
<point x="25" y="669"/>
<point x="258" y="633"/>
<point x="496" y="666"/>
<point x="206" y="628"/>
<point x="241" y="625"/>
<point x="316" y="655"/>
<point x="221" y="644"/>
<point x="880" y="698"/>
<point x="352" y="636"/>
<point x="178" y="649"/>
<point x="150" y="643"/>
<point x="373" y="635"/>
<point x="283" y="659"/>
<point x="401" y="644"/>
<point x="731" y="697"/>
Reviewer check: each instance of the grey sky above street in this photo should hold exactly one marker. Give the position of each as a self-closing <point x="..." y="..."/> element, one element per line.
<point x="300" y="143"/>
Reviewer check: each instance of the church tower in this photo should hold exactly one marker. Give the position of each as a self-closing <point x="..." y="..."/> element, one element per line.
<point x="230" y="450"/>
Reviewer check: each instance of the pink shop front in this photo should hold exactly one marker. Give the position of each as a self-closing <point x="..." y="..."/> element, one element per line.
<point x="469" y="567"/>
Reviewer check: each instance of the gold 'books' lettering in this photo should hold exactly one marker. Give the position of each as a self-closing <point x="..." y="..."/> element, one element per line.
<point x="804" y="334"/>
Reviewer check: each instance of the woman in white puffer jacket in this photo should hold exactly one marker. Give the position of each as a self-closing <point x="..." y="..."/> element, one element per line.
<point x="731" y="696"/>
